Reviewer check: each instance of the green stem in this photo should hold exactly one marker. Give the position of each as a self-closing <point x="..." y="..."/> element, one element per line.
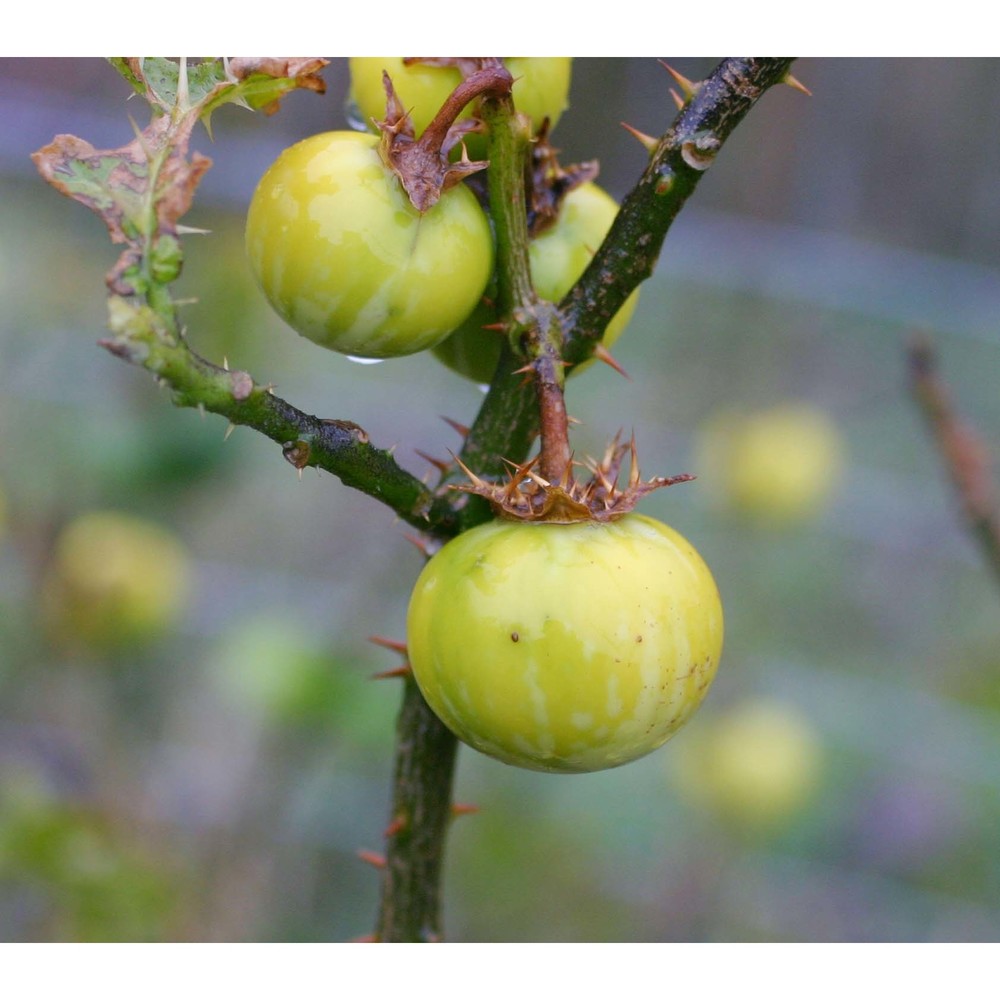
<point x="144" y="337"/>
<point x="507" y="422"/>
<point x="421" y="813"/>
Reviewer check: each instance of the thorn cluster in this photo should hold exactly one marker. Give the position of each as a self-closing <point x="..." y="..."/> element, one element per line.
<point x="526" y="496"/>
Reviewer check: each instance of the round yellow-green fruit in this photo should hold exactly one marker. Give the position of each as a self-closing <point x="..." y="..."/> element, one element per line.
<point x="347" y="261"/>
<point x="777" y="465"/>
<point x="115" y="581"/>
<point x="565" y="647"/>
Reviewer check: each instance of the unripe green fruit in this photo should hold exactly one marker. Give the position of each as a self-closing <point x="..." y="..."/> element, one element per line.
<point x="565" y="647"/>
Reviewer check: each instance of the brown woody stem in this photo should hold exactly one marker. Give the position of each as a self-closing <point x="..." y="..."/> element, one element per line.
<point x="554" y="457"/>
<point x="964" y="454"/>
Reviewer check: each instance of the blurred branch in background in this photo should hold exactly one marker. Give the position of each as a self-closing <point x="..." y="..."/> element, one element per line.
<point x="963" y="451"/>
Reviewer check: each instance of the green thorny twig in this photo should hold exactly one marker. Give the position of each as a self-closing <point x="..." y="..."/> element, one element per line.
<point x="142" y="189"/>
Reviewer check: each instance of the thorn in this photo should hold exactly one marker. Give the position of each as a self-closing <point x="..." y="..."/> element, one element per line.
<point x="394" y="644"/>
<point x="387" y="675"/>
<point x="436" y="462"/>
<point x="419" y="543"/>
<point x="463" y="809"/>
<point x="225" y="363"/>
<point x="473" y="478"/>
<point x="688" y="89"/>
<point x="647" y="140"/>
<point x="796" y="85"/>
<point x="456" y="426"/>
<point x="573" y="421"/>
<point x="372" y="858"/>
<point x="495" y="327"/>
<point x="528" y="369"/>
<point x="398" y="825"/>
<point x="603" y="354"/>
<point x="678" y="100"/>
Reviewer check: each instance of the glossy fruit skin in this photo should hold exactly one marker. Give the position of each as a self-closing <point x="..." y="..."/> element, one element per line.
<point x="776" y="466"/>
<point x="565" y="647"/>
<point x="558" y="257"/>
<point x="347" y="261"/>
<point x="541" y="89"/>
<point x="116" y="581"/>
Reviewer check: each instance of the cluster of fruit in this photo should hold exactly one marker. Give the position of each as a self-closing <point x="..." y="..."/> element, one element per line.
<point x="346" y="259"/>
<point x="552" y="643"/>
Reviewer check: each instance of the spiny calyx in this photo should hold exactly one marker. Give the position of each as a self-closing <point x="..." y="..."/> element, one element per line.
<point x="527" y="496"/>
<point x="422" y="163"/>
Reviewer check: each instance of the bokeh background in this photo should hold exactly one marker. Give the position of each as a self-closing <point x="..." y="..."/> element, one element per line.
<point x="214" y="783"/>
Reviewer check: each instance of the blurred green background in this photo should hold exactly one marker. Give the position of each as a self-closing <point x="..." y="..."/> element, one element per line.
<point x="842" y="782"/>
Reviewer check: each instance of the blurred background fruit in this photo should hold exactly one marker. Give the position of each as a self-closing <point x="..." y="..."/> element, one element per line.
<point x="755" y="765"/>
<point x="115" y="581"/>
<point x="777" y="465"/>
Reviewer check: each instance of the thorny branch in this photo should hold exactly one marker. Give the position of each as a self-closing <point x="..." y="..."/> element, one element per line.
<point x="142" y="189"/>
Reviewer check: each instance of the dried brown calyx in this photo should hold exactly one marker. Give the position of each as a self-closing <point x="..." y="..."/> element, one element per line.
<point x="526" y="496"/>
<point x="549" y="182"/>
<point x="423" y="163"/>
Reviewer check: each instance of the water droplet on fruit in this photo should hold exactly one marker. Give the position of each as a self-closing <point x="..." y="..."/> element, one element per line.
<point x="355" y="117"/>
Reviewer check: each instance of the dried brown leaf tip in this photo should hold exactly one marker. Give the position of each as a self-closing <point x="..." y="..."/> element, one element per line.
<point x="526" y="496"/>
<point x="139" y="190"/>
<point x="143" y="188"/>
<point x="257" y="82"/>
<point x="302" y="74"/>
